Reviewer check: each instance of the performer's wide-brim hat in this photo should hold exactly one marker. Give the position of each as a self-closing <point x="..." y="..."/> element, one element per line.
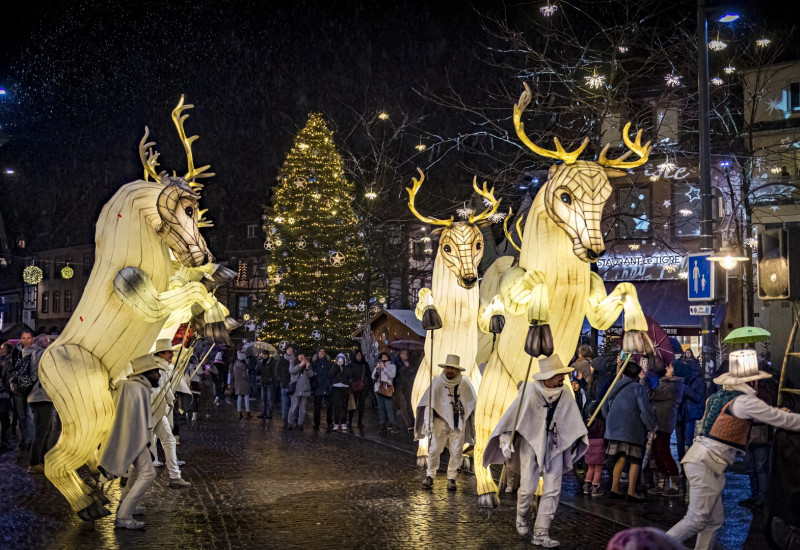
<point x="742" y="368"/>
<point x="550" y="367"/>
<point x="164" y="344"/>
<point x="452" y="361"/>
<point x="145" y="363"/>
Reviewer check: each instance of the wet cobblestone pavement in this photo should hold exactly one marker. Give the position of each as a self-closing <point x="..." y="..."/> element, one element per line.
<point x="256" y="485"/>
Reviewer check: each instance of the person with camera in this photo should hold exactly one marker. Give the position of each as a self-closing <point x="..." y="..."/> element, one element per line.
<point x="450" y="423"/>
<point x="342" y="376"/>
<point x="300" y="389"/>
<point x="383" y="376"/>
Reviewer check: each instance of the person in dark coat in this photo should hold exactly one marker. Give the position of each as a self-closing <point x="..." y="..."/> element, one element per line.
<point x="282" y="367"/>
<point x="266" y="370"/>
<point x="601" y="381"/>
<point x="241" y="383"/>
<point x="629" y="416"/>
<point x="666" y="399"/>
<point x="359" y="387"/>
<point x="323" y="388"/>
<point x="340" y="391"/>
<point x="694" y="400"/>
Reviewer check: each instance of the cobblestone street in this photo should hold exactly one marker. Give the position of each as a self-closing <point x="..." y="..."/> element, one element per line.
<point x="259" y="486"/>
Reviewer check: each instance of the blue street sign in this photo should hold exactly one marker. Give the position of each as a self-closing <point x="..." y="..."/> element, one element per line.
<point x="701" y="277"/>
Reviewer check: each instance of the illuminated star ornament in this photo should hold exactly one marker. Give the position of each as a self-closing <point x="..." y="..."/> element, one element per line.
<point x="673" y="80"/>
<point x="316" y="335"/>
<point x="300" y="183"/>
<point x="775" y="104"/>
<point x="667" y="203"/>
<point x="548" y="9"/>
<point x="693" y="194"/>
<point x="595" y="81"/>
<point x="642" y="224"/>
<point x="336" y="258"/>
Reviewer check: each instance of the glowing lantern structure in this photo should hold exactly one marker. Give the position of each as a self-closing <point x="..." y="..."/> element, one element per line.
<point x="135" y="288"/>
<point x="32" y="275"/>
<point x="454" y="295"/>
<point x="553" y="283"/>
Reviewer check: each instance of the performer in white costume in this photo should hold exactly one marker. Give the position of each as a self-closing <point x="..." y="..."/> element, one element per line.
<point x="453" y="423"/>
<point x="551" y="436"/>
<point x="723" y="436"/>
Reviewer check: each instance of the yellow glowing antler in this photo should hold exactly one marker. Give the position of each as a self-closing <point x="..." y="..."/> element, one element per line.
<point x="412" y="193"/>
<point x="488" y="195"/>
<point x="634" y="147"/>
<point x="193" y="172"/>
<point x="559" y="153"/>
<point x="148" y="157"/>
<point x="201" y="221"/>
<point x="508" y="234"/>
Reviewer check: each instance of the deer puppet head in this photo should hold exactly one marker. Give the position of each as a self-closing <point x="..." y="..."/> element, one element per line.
<point x="460" y="243"/>
<point x="180" y="216"/>
<point x="577" y="190"/>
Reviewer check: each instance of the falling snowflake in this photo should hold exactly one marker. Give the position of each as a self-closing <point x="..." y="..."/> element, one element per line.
<point x="673" y="80"/>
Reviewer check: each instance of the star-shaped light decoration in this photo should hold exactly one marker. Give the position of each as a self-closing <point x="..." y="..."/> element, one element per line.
<point x="717" y="81"/>
<point x="667" y="166"/>
<point x="301" y="243"/>
<point x="300" y="183"/>
<point x="314" y="318"/>
<point x="642" y="224"/>
<point x="775" y="104"/>
<point x="730" y="69"/>
<point x="763" y="42"/>
<point x="670" y="268"/>
<point x="548" y="9"/>
<point x="673" y="80"/>
<point x="667" y="203"/>
<point x="306" y="316"/>
<point x="693" y="194"/>
<point x="383" y="115"/>
<point x="269" y="244"/>
<point x="595" y="81"/>
<point x="362" y="306"/>
<point x="316" y="335"/>
<point x="336" y="258"/>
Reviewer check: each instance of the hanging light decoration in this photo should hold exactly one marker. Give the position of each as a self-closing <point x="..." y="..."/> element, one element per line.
<point x="634" y="246"/>
<point x="383" y="115"/>
<point x="32" y="275"/>
<point x="497" y="217"/>
<point x="685" y="212"/>
<point x="673" y="80"/>
<point x="67" y="272"/>
<point x="763" y="42"/>
<point x="595" y="81"/>
<point x="730" y="69"/>
<point x="465" y="212"/>
<point x="421" y="147"/>
<point x="717" y="81"/>
<point x="548" y="9"/>
<point x="717" y="45"/>
<point x="371" y="195"/>
<point x="623" y="49"/>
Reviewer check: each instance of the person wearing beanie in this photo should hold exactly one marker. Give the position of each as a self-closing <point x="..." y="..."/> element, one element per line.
<point x="340" y="391"/>
<point x="222" y="377"/>
<point x="450" y="423"/>
<point x="241" y="384"/>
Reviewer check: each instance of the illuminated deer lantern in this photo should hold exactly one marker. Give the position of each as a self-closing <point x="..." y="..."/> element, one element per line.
<point x="132" y="291"/>
<point x="553" y="283"/>
<point x="455" y="295"/>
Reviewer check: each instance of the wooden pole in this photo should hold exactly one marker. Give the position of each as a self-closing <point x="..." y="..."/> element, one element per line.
<point x="603" y="400"/>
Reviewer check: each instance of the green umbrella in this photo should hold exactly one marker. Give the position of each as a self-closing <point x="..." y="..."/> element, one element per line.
<point x="747" y="335"/>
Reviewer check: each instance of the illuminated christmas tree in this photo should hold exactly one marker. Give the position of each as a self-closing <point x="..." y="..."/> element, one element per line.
<point x="315" y="253"/>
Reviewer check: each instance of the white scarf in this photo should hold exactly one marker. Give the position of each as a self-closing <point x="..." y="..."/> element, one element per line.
<point x="451" y="383"/>
<point x="549" y="394"/>
<point x="742" y="387"/>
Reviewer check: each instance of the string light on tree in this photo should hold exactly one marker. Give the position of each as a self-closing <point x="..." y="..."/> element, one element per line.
<point x="548" y="10"/>
<point x="763" y="42"/>
<point x="595" y="81"/>
<point x="32" y="275"/>
<point x="673" y="80"/>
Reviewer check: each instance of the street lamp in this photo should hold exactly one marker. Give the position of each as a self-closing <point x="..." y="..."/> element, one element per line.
<point x="729" y="257"/>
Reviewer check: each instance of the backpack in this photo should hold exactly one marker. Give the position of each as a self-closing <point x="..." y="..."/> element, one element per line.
<point x="20" y="380"/>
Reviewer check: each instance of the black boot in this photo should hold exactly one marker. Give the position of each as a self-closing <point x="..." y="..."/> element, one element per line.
<point x="428" y="483"/>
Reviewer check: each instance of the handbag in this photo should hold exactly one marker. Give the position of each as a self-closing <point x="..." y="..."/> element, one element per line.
<point x="195" y="387"/>
<point x="351" y="403"/>
<point x="291" y="388"/>
<point x="357" y="384"/>
<point x="385" y="389"/>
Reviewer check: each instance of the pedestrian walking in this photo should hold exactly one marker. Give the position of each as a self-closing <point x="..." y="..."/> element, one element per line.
<point x="383" y="376"/>
<point x="21" y="383"/>
<point x="323" y="388"/>
<point x="629" y="416"/>
<point x="666" y="399"/>
<point x="130" y="439"/>
<point x="241" y="384"/>
<point x="542" y="434"/>
<point x="340" y="391"/>
<point x="282" y="368"/>
<point x="266" y="368"/>
<point x="449" y="421"/>
<point x="694" y="400"/>
<point x="300" y="390"/>
<point x="359" y="388"/>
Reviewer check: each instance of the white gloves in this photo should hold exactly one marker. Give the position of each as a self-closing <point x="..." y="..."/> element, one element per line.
<point x="507" y="447"/>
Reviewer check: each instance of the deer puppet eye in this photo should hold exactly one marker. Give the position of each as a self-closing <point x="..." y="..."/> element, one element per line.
<point x="478" y="246"/>
<point x="447" y="248"/>
<point x="189" y="211"/>
<point x="566" y="198"/>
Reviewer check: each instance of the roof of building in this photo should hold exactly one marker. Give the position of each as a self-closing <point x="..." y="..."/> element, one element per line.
<point x="405" y="316"/>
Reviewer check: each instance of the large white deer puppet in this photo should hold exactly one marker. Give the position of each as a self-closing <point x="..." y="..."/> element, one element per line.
<point x="454" y="295"/>
<point x="553" y="283"/>
<point x="133" y="289"/>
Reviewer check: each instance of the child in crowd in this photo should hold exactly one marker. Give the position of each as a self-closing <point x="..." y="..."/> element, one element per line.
<point x="596" y="453"/>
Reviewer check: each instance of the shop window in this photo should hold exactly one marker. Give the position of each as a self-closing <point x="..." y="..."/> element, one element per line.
<point x="634" y="212"/>
<point x="45" y="301"/>
<point x="685" y="210"/>
<point x="794" y="96"/>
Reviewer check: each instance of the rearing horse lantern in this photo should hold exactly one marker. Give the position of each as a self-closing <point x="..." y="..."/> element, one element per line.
<point x="552" y="283"/>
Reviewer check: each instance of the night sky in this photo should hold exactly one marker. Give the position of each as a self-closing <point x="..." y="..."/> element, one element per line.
<point x="83" y="78"/>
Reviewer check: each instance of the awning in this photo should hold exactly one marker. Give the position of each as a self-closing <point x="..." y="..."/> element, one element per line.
<point x="667" y="303"/>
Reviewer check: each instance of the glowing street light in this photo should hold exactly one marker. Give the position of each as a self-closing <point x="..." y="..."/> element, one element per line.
<point x="729" y="257"/>
<point x="729" y="18"/>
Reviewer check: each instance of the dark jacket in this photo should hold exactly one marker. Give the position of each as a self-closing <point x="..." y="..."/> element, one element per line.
<point x="601" y="381"/>
<point x="266" y="368"/>
<point x="694" y="390"/>
<point x="282" y="371"/>
<point x="361" y="371"/>
<point x="666" y="399"/>
<point x="342" y="374"/>
<point x="629" y="415"/>
<point x="323" y="375"/>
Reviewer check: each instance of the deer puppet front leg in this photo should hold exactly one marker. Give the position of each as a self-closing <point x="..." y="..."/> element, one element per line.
<point x="603" y="309"/>
<point x="423" y="378"/>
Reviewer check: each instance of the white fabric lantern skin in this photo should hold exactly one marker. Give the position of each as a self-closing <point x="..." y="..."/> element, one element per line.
<point x="743" y="363"/>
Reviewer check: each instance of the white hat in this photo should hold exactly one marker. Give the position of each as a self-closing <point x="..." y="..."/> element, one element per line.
<point x="743" y="368"/>
<point x="218" y="357"/>
<point x="145" y="363"/>
<point x="241" y="356"/>
<point x="551" y="366"/>
<point x="164" y="344"/>
<point x="453" y="361"/>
